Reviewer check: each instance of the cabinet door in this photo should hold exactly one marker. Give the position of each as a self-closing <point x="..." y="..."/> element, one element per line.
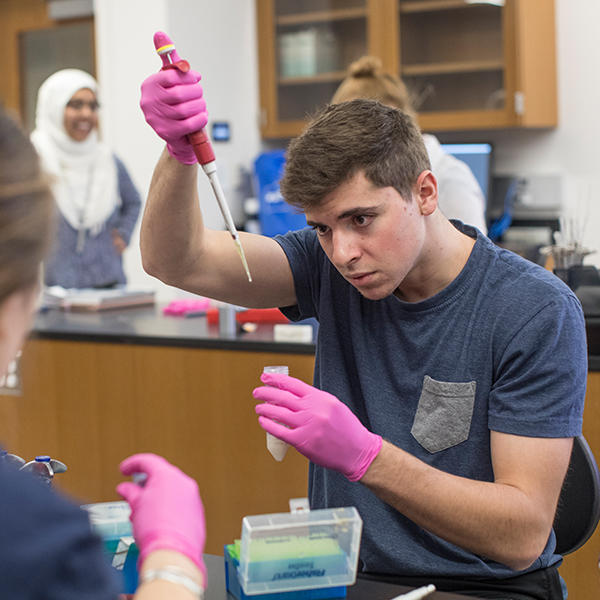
<point x="91" y="404"/>
<point x="479" y="64"/>
<point x="305" y="47"/>
<point x="580" y="569"/>
<point x="35" y="46"/>
<point x="470" y="64"/>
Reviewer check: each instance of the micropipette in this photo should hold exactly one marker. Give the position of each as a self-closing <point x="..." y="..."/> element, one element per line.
<point x="417" y="594"/>
<point x="201" y="144"/>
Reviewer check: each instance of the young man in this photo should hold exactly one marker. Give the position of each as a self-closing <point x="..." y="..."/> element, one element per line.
<point x="450" y="374"/>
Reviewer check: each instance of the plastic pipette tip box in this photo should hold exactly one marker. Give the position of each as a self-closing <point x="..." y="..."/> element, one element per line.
<point x="234" y="587"/>
<point x="110" y="520"/>
<point x="299" y="552"/>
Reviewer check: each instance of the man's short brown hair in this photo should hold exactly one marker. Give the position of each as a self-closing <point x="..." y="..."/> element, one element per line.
<point x="351" y="137"/>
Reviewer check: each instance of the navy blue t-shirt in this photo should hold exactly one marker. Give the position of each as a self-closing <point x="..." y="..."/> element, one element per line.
<point x="47" y="548"/>
<point x="501" y="348"/>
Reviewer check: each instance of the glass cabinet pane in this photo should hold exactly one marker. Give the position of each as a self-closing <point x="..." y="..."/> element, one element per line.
<point x="44" y="51"/>
<point x="315" y="42"/>
<point x="452" y="54"/>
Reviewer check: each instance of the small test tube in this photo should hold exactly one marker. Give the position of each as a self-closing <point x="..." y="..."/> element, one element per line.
<point x="277" y="448"/>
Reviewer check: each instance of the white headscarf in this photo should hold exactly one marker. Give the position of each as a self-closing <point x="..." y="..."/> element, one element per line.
<point x="85" y="173"/>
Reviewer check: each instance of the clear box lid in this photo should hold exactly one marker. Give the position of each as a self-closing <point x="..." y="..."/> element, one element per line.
<point x="110" y="519"/>
<point x="299" y="550"/>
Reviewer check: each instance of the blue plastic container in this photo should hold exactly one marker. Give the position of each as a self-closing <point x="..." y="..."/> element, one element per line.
<point x="234" y="587"/>
<point x="275" y="215"/>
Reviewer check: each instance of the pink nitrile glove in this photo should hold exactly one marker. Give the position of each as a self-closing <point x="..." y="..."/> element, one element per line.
<point x="317" y="424"/>
<point x="167" y="511"/>
<point x="173" y="106"/>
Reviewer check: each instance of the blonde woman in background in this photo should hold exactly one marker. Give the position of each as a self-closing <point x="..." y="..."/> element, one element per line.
<point x="460" y="196"/>
<point x="98" y="204"/>
<point x="47" y="547"/>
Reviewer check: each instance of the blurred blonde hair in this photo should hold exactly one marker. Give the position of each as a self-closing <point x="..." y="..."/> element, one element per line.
<point x="26" y="210"/>
<point x="366" y="79"/>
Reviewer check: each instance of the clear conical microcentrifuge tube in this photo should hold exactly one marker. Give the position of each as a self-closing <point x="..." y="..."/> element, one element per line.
<point x="277" y="447"/>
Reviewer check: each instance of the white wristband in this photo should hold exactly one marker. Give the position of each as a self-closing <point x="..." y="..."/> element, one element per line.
<point x="174" y="575"/>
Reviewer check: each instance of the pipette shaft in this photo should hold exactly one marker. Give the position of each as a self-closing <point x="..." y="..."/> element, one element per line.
<point x="220" y="196"/>
<point x="202" y="148"/>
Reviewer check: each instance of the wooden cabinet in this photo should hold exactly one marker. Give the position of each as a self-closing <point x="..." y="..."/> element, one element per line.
<point x="304" y="48"/>
<point x="34" y="47"/>
<point x="468" y="64"/>
<point x="91" y="404"/>
<point x="580" y="569"/>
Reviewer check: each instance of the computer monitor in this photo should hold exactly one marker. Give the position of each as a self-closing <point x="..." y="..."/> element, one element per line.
<point x="478" y="157"/>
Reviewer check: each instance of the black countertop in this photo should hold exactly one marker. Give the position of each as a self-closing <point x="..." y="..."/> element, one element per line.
<point x="146" y="325"/>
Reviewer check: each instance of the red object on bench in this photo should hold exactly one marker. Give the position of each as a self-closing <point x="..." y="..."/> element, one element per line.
<point x="251" y="315"/>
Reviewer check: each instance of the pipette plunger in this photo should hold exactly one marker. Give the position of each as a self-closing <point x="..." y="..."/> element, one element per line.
<point x="201" y="144"/>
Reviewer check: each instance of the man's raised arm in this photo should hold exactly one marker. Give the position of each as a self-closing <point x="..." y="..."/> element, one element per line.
<point x="176" y="246"/>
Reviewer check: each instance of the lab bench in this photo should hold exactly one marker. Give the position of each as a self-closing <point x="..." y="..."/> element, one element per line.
<point x="363" y="589"/>
<point x="97" y="387"/>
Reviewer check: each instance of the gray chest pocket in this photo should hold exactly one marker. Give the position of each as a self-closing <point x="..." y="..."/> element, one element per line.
<point x="443" y="417"/>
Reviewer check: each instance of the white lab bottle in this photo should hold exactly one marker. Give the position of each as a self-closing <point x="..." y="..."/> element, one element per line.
<point x="276" y="447"/>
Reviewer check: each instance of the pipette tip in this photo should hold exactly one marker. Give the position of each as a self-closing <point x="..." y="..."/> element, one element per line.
<point x="240" y="250"/>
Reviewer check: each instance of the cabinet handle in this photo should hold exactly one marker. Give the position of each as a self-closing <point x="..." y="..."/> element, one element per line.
<point x="519" y="103"/>
<point x="494" y="2"/>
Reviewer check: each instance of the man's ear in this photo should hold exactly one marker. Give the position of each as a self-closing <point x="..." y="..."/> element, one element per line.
<point x="426" y="192"/>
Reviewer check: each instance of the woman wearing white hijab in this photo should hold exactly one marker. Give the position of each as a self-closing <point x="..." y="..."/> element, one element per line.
<point x="97" y="201"/>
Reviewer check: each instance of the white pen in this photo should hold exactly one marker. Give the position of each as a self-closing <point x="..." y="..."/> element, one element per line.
<point x="418" y="593"/>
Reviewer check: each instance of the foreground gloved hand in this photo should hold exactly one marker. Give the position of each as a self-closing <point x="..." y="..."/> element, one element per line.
<point x="317" y="424"/>
<point x="167" y="512"/>
<point x="173" y="106"/>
